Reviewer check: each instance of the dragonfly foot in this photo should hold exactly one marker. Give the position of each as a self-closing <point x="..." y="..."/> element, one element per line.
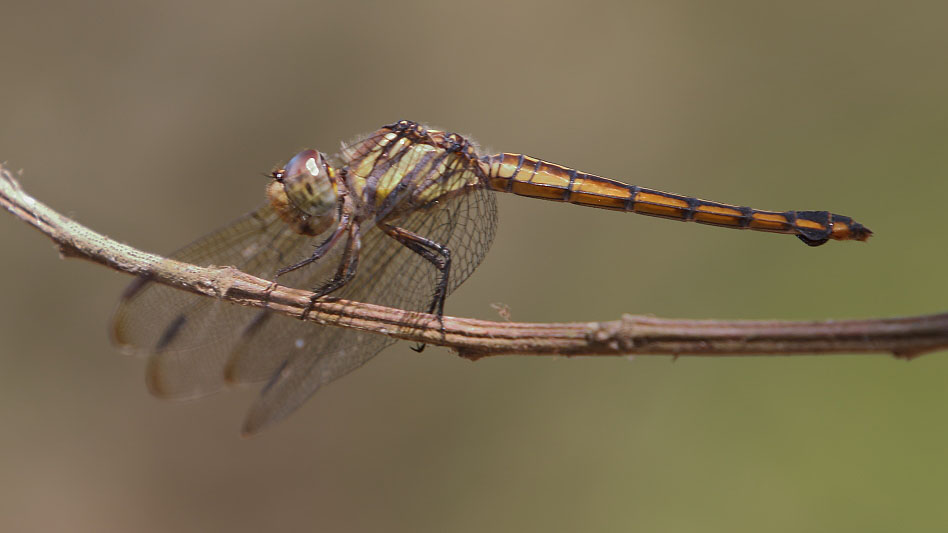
<point x="308" y="308"/>
<point x="269" y="290"/>
<point x="420" y="347"/>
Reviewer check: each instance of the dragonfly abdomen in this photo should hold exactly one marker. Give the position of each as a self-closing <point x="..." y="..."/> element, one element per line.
<point x="528" y="176"/>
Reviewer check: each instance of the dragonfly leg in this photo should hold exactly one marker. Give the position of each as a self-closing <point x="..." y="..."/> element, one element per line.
<point x="320" y="251"/>
<point x="435" y="253"/>
<point x="345" y="272"/>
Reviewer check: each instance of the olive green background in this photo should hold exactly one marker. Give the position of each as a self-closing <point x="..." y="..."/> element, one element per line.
<point x="153" y="123"/>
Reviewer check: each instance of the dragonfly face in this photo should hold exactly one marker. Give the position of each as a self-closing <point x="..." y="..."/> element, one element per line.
<point x="305" y="193"/>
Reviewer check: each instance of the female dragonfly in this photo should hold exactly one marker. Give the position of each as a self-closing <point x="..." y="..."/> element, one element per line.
<point x="405" y="217"/>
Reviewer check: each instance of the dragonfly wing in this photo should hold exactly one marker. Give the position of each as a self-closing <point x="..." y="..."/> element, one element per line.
<point x="196" y="344"/>
<point x="297" y="358"/>
<point x="388" y="274"/>
<point x="306" y="370"/>
<point x="190" y="337"/>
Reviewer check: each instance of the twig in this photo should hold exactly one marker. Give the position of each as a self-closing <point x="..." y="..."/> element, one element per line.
<point x="906" y="337"/>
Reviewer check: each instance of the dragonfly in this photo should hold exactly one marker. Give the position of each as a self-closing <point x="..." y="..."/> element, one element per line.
<point x="399" y="218"/>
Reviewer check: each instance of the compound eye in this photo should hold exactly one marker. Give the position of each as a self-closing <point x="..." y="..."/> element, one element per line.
<point x="306" y="162"/>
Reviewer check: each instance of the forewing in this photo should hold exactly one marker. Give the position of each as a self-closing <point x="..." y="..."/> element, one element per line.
<point x="187" y="336"/>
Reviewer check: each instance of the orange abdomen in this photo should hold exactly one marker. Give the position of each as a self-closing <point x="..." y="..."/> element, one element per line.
<point x="527" y="176"/>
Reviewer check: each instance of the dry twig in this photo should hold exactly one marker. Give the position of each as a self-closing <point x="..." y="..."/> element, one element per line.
<point x="903" y="337"/>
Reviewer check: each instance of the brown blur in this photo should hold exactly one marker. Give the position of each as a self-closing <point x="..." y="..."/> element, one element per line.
<point x="154" y="122"/>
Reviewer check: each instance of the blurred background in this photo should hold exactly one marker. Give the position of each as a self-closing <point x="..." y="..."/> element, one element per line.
<point x="152" y="122"/>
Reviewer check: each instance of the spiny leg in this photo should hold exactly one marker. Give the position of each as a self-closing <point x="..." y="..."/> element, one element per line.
<point x="345" y="272"/>
<point x="436" y="254"/>
<point x="320" y="251"/>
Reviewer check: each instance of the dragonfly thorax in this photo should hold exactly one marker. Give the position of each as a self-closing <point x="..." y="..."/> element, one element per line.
<point x="304" y="193"/>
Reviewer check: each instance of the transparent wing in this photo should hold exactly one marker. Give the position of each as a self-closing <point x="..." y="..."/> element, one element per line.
<point x="388" y="274"/>
<point x="179" y="329"/>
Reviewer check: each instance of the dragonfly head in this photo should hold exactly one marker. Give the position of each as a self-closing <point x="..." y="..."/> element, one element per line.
<point x="304" y="193"/>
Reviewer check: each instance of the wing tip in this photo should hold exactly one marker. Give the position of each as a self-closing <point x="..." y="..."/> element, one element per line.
<point x="256" y="421"/>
